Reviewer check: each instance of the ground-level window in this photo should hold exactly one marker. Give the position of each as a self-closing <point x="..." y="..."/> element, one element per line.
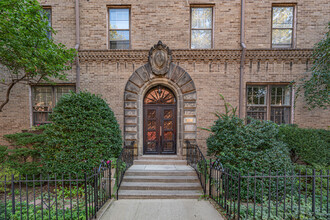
<point x="270" y="102"/>
<point x="44" y="99"/>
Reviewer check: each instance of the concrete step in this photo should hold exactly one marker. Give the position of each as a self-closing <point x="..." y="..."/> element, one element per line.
<point x="160" y="162"/>
<point x="160" y="157"/>
<point x="159" y="194"/>
<point x="159" y="186"/>
<point x="159" y="173"/>
<point x="163" y="179"/>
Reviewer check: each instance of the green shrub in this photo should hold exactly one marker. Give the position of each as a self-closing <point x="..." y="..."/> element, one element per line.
<point x="3" y="154"/>
<point x="6" y="173"/>
<point x="29" y="211"/>
<point x="251" y="147"/>
<point x="248" y="148"/>
<point x="311" y="146"/>
<point x="84" y="131"/>
<point x="25" y="156"/>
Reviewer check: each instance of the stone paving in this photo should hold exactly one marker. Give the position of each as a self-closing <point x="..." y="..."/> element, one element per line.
<point x="161" y="168"/>
<point x="161" y="209"/>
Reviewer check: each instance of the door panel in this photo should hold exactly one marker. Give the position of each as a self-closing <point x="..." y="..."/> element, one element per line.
<point x="168" y="128"/>
<point x="150" y="131"/>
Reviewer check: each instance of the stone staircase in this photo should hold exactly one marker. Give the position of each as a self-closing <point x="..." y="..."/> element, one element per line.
<point x="160" y="177"/>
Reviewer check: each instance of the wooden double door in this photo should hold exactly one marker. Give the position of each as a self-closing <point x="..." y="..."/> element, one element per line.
<point x="159" y="129"/>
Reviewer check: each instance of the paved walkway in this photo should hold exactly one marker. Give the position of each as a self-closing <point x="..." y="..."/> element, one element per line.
<point x="161" y="209"/>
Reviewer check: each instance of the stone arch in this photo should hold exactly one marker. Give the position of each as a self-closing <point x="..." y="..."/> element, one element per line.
<point x="175" y="78"/>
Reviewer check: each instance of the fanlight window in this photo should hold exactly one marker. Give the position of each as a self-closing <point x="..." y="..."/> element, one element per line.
<point x="159" y="95"/>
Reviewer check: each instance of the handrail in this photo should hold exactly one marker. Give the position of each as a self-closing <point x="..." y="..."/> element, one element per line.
<point x="196" y="160"/>
<point x="124" y="161"/>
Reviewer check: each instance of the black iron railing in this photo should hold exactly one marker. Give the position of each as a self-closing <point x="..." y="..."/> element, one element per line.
<point x="124" y="161"/>
<point x="274" y="195"/>
<point x="196" y="159"/>
<point x="55" y="196"/>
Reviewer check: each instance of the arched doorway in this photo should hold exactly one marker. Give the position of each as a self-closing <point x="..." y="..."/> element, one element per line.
<point x="159" y="121"/>
<point x="160" y="70"/>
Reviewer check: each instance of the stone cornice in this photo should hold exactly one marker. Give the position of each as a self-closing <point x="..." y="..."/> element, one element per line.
<point x="279" y="54"/>
<point x="196" y="55"/>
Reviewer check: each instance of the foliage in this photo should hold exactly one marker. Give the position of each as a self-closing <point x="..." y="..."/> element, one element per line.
<point x="304" y="213"/>
<point x="25" y="156"/>
<point x="248" y="148"/>
<point x="311" y="146"/>
<point x="84" y="131"/>
<point x="3" y="154"/>
<point x="37" y="212"/>
<point x="6" y="173"/>
<point x="26" y="51"/>
<point x="316" y="85"/>
<point x="251" y="147"/>
<point x="68" y="193"/>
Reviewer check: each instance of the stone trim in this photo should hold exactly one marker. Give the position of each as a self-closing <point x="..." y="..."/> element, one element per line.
<point x="208" y="55"/>
<point x="176" y="79"/>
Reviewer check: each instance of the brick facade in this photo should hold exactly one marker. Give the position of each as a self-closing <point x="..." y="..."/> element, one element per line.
<point x="213" y="71"/>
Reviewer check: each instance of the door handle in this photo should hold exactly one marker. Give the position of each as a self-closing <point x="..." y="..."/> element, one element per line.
<point x="160" y="130"/>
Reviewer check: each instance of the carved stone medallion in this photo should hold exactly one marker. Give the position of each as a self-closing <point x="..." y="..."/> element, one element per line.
<point x="160" y="57"/>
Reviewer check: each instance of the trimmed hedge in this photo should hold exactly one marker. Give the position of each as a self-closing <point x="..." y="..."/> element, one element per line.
<point x="84" y="131"/>
<point x="311" y="146"/>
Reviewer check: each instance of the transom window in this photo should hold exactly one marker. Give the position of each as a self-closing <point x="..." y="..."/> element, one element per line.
<point x="119" y="28"/>
<point x="201" y="27"/>
<point x="282" y="26"/>
<point x="269" y="102"/>
<point x="44" y="99"/>
<point x="159" y="95"/>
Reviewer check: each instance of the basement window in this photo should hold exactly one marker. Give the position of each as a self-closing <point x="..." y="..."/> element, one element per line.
<point x="270" y="102"/>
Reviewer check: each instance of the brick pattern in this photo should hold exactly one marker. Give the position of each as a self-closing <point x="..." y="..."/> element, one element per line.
<point x="212" y="71"/>
<point x="311" y="22"/>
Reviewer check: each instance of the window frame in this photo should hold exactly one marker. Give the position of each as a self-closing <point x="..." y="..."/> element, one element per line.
<point x="212" y="26"/>
<point x="293" y="37"/>
<point x="129" y="24"/>
<point x="268" y="99"/>
<point x="44" y="7"/>
<point x="54" y="98"/>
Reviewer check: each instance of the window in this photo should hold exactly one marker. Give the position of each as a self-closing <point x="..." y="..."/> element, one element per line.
<point x="44" y="99"/>
<point x="278" y="109"/>
<point x="119" y="28"/>
<point x="201" y="27"/>
<point x="48" y="12"/>
<point x="282" y="26"/>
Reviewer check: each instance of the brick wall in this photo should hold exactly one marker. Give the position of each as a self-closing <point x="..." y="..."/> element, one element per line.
<point x="311" y="22"/>
<point x="169" y="21"/>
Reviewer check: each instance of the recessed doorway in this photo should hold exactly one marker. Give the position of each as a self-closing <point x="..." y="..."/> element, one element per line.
<point x="159" y="124"/>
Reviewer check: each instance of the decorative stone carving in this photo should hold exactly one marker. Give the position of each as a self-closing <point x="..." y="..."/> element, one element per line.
<point x="160" y="57"/>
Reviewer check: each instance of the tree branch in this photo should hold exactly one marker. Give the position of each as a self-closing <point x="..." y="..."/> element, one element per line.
<point x="11" y="85"/>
